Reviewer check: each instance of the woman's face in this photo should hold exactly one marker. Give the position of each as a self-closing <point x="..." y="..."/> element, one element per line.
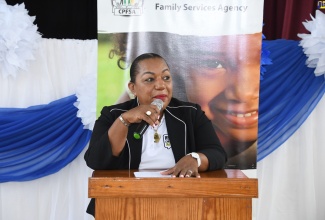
<point x="153" y="81"/>
<point x="225" y="82"/>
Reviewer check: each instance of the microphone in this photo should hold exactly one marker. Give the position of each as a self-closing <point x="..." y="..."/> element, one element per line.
<point x="142" y="127"/>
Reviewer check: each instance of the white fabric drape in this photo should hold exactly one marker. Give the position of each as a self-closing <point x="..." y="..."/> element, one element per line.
<point x="63" y="195"/>
<point x="58" y="69"/>
<point x="292" y="178"/>
<point x="56" y="72"/>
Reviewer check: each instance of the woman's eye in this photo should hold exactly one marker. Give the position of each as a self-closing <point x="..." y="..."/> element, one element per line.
<point x="149" y="79"/>
<point x="166" y="78"/>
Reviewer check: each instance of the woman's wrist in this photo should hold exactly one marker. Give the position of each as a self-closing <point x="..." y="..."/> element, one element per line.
<point x="124" y="121"/>
<point x="197" y="157"/>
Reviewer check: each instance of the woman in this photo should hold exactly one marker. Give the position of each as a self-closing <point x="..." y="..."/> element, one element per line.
<point x="220" y="73"/>
<point x="186" y="145"/>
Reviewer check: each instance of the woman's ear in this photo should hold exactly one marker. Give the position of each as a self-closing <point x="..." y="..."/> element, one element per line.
<point x="131" y="88"/>
<point x="129" y="92"/>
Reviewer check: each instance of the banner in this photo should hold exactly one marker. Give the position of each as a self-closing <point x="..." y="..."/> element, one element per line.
<point x="213" y="49"/>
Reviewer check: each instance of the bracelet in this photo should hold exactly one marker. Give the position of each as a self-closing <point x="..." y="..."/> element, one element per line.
<point x="122" y="120"/>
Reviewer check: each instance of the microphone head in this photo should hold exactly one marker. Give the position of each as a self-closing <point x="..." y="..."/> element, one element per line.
<point x="142" y="127"/>
<point x="159" y="103"/>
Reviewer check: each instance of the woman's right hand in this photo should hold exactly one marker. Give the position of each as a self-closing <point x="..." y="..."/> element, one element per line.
<point x="148" y="113"/>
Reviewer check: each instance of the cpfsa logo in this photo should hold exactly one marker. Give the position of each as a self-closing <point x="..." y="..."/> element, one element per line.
<point x="321" y="4"/>
<point x="127" y="7"/>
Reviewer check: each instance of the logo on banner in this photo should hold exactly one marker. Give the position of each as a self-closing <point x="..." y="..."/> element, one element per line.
<point x="127" y="7"/>
<point x="321" y="4"/>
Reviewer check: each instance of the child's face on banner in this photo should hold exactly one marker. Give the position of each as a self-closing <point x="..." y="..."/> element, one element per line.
<point x="225" y="82"/>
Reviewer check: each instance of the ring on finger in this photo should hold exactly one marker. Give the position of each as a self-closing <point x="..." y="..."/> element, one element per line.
<point x="148" y="113"/>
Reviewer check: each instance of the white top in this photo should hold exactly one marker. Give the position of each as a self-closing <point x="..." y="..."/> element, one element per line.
<point x="156" y="155"/>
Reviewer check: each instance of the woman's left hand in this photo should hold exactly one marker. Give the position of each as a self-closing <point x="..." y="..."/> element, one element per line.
<point x="185" y="167"/>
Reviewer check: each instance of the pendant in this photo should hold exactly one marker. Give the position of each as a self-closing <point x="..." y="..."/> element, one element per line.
<point x="156" y="137"/>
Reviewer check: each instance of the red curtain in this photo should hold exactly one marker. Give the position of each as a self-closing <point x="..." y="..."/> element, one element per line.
<point x="283" y="18"/>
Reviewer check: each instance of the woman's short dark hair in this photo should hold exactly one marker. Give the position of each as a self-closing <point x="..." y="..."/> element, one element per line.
<point x="135" y="64"/>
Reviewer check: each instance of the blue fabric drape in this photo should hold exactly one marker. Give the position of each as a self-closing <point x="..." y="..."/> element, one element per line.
<point x="39" y="140"/>
<point x="288" y="94"/>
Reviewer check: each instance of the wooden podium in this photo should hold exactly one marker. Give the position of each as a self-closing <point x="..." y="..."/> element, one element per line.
<point x="222" y="194"/>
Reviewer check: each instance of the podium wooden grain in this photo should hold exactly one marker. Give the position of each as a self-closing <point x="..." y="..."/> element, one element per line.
<point x="222" y="194"/>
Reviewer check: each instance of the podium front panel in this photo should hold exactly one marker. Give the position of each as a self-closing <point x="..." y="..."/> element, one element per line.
<point x="223" y="194"/>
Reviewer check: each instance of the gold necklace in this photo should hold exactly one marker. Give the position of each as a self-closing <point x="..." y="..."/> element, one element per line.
<point x="156" y="136"/>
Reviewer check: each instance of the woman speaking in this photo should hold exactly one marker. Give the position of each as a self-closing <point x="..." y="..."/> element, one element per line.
<point x="179" y="138"/>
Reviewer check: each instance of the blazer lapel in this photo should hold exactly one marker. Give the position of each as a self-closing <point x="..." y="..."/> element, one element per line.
<point x="177" y="135"/>
<point x="135" y="146"/>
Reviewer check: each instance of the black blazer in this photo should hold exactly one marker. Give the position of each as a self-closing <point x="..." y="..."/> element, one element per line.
<point x="189" y="130"/>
